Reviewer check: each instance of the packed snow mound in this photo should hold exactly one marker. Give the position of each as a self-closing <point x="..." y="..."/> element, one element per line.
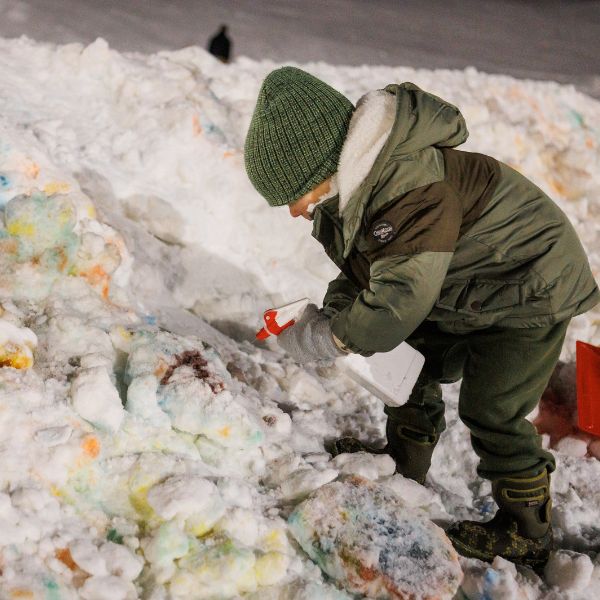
<point x="123" y="433"/>
<point x="132" y="459"/>
<point x="144" y="454"/>
<point x="364" y="537"/>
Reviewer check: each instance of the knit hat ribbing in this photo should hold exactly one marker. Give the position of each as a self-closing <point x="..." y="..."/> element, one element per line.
<point x="295" y="136"/>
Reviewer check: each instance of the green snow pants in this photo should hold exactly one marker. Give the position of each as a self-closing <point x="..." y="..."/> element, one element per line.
<point x="504" y="373"/>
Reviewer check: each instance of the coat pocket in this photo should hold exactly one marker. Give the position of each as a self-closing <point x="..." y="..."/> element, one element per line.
<point x="480" y="295"/>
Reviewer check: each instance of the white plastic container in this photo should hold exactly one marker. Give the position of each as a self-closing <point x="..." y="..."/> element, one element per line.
<point x="390" y="376"/>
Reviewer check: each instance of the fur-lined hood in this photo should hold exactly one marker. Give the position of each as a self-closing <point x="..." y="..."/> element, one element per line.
<point x="368" y="131"/>
<point x="402" y="125"/>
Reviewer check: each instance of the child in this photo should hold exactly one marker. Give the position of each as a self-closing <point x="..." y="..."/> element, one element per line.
<point x="453" y="252"/>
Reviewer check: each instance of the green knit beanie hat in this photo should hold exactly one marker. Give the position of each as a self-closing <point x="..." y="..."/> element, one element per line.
<point x="295" y="136"/>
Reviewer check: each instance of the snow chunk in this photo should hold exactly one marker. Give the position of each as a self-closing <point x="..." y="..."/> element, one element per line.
<point x="12" y="533"/>
<point x="497" y="581"/>
<point x="214" y="570"/>
<point x="87" y="557"/>
<point x="53" y="436"/>
<point x="594" y="449"/>
<point x="182" y="496"/>
<point x="303" y="481"/>
<point x="271" y="568"/>
<point x="305" y="392"/>
<point x="363" y="537"/>
<point x="240" y="525"/>
<point x="107" y="587"/>
<point x="572" y="447"/>
<point x="413" y="494"/>
<point x="569" y="571"/>
<point x="365" y="464"/>
<point x="220" y="418"/>
<point x="142" y="401"/>
<point x="168" y="543"/>
<point x="121" y="561"/>
<point x="96" y="399"/>
<point x="236" y="492"/>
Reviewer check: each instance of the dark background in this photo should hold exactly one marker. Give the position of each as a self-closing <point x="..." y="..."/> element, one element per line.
<point x="544" y="39"/>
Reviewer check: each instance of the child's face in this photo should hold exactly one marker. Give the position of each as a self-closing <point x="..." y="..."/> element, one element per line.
<point x="303" y="207"/>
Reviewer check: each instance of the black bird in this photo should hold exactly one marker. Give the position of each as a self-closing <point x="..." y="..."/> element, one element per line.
<point x="220" y="45"/>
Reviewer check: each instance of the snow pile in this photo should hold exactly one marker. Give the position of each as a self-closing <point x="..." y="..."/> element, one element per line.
<point x="364" y="537"/>
<point x="145" y="454"/>
<point x="126" y="447"/>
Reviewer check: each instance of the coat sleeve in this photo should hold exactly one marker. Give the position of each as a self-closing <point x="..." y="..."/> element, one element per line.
<point x="406" y="272"/>
<point x="402" y="292"/>
<point x="341" y="293"/>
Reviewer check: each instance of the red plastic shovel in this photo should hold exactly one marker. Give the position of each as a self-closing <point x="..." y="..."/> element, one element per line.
<point x="588" y="387"/>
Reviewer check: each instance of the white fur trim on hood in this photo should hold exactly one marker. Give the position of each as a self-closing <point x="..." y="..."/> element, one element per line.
<point x="369" y="129"/>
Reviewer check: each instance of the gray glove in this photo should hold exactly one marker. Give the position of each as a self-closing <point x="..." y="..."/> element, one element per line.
<point x="310" y="338"/>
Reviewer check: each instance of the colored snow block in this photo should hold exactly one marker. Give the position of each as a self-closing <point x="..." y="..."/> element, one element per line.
<point x="185" y="496"/>
<point x="168" y="543"/>
<point x="12" y="183"/>
<point x="194" y="409"/>
<point x="240" y="525"/>
<point x="370" y="543"/>
<point x="187" y="382"/>
<point x="215" y="569"/>
<point x="43" y="226"/>
<point x="16" y="345"/>
<point x="38" y="586"/>
<point x="498" y="581"/>
<point x="271" y="568"/>
<point x="102" y="258"/>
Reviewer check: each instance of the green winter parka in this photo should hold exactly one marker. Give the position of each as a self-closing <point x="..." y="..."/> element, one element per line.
<point x="422" y="231"/>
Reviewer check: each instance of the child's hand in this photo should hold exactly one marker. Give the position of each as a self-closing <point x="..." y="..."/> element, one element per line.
<point x="310" y="339"/>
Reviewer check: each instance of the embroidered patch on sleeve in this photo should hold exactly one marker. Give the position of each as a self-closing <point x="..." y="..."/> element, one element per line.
<point x="382" y="231"/>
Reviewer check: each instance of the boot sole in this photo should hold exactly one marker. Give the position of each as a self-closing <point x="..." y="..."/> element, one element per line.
<point x="537" y="564"/>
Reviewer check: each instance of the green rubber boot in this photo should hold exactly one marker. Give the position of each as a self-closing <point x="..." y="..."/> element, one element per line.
<point x="521" y="530"/>
<point x="410" y="448"/>
<point x="412" y="430"/>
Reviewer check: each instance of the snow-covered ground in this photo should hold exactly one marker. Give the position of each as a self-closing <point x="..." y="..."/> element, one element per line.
<point x="147" y="454"/>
